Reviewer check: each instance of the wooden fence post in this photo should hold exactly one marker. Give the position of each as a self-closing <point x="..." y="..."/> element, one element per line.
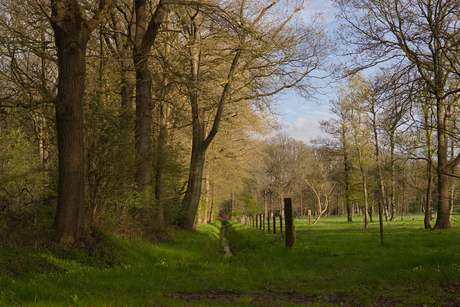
<point x="290" y="230"/>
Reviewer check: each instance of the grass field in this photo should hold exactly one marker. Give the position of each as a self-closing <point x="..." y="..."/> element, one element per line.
<point x="333" y="263"/>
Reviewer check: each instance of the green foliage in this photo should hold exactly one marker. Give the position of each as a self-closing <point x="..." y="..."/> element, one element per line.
<point x="109" y="155"/>
<point x="20" y="178"/>
<point x="250" y="204"/>
<point x="414" y="206"/>
<point x="24" y="216"/>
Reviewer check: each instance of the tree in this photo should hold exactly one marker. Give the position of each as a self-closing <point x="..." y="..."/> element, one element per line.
<point x="258" y="57"/>
<point x="338" y="129"/>
<point x="284" y="157"/>
<point x="387" y="102"/>
<point x="144" y="38"/>
<point x="72" y="31"/>
<point x="375" y="106"/>
<point x="317" y="177"/>
<point x="360" y="143"/>
<point x="416" y="35"/>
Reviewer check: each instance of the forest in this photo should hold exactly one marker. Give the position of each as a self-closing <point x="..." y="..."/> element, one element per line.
<point x="138" y="117"/>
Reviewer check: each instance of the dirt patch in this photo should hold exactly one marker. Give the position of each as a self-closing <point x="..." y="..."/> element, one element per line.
<point x="339" y="299"/>
<point x="329" y="298"/>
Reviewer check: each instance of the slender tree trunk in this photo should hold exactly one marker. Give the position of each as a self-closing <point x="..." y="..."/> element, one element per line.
<point x="452" y="185"/>
<point x="124" y="51"/>
<point x="377" y="154"/>
<point x="281" y="206"/>
<point x="162" y="137"/>
<point x="393" y="180"/>
<point x="211" y="211"/>
<point x="403" y="207"/>
<point x="347" y="175"/>
<point x="363" y="174"/>
<point x="429" y="197"/>
<point x="443" y="169"/>
<point x="429" y="167"/>
<point x="146" y="33"/>
<point x="208" y="195"/>
<point x="387" y="210"/>
<point x="265" y="205"/>
<point x="143" y="122"/>
<point x="160" y="163"/>
<point x="443" y="218"/>
<point x="301" y="206"/>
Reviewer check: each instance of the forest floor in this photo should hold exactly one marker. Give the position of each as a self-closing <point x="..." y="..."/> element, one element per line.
<point x="333" y="263"/>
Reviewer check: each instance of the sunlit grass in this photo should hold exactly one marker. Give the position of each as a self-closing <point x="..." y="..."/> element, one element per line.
<point x="333" y="256"/>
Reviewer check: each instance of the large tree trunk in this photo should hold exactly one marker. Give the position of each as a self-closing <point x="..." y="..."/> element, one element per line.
<point x="192" y="195"/>
<point x="71" y="34"/>
<point x="200" y="142"/>
<point x="69" y="221"/>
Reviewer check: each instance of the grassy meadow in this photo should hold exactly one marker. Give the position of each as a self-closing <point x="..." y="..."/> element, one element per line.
<point x="333" y="263"/>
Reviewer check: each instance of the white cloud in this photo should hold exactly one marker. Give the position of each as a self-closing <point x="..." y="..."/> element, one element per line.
<point x="303" y="129"/>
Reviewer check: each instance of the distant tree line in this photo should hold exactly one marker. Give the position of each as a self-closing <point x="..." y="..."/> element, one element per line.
<point x="396" y="129"/>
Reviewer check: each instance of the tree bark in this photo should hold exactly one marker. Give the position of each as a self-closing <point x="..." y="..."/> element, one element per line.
<point x="377" y="152"/>
<point x="366" y="205"/>
<point x="443" y="218"/>
<point x="200" y="142"/>
<point x="71" y="33"/>
<point x="347" y="174"/>
<point x="160" y="162"/>
<point x="124" y="51"/>
<point x="145" y="35"/>
<point x="393" y="181"/>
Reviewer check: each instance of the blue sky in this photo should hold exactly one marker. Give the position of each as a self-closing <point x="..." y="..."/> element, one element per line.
<point x="300" y="116"/>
